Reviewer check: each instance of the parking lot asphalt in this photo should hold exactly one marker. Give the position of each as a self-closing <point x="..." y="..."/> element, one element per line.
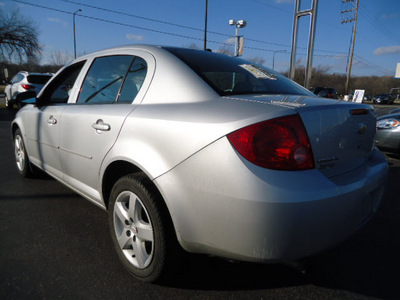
<point x="55" y="244"/>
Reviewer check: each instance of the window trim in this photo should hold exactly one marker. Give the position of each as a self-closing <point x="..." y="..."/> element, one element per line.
<point x="43" y="98"/>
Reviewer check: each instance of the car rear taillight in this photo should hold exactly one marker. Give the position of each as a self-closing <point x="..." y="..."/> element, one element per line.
<point x="278" y="144"/>
<point x="28" y="86"/>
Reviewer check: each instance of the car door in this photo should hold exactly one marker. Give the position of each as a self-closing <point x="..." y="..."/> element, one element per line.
<point x="43" y="121"/>
<point x="91" y="126"/>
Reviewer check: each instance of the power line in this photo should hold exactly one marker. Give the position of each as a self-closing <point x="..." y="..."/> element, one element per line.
<point x="193" y="28"/>
<point x="139" y="17"/>
<point x="162" y="32"/>
<point x="272" y="6"/>
<point x="108" y="21"/>
<point x="377" y="24"/>
<point x="372" y="65"/>
<point x="165" y="22"/>
<point x="189" y="37"/>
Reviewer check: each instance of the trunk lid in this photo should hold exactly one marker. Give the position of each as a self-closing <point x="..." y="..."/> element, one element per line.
<point x="341" y="136"/>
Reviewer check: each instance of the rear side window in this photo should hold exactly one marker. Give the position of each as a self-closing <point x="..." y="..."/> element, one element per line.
<point x="104" y="79"/>
<point x="134" y="81"/>
<point x="38" y="79"/>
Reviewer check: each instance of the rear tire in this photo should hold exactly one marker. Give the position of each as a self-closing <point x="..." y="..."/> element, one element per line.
<point x="141" y="229"/>
<point x="9" y="104"/>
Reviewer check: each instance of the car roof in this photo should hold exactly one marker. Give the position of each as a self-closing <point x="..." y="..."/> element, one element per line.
<point x="149" y="48"/>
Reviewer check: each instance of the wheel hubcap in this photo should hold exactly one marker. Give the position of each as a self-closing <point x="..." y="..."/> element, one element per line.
<point x="133" y="229"/>
<point x="19" y="153"/>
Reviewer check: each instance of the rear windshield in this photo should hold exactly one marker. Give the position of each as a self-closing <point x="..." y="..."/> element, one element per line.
<point x="234" y="76"/>
<point x="38" y="79"/>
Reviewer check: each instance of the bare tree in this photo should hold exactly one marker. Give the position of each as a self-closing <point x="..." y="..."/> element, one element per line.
<point x="59" y="58"/>
<point x="18" y="37"/>
<point x="257" y="60"/>
<point x="193" y="46"/>
<point x="226" y="49"/>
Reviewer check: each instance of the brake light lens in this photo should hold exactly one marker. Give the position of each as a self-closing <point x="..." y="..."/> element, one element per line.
<point x="28" y="86"/>
<point x="278" y="144"/>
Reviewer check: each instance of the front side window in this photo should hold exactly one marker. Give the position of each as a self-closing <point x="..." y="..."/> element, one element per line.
<point x="60" y="88"/>
<point x="104" y="79"/>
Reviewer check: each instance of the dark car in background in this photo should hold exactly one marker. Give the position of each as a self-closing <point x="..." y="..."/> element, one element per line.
<point x="24" y="82"/>
<point x="325" y="92"/>
<point x="384" y="98"/>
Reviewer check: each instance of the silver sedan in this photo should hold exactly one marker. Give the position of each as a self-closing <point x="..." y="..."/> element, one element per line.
<point x="197" y="151"/>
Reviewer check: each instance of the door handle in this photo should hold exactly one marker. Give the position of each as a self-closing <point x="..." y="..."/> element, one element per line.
<point x="100" y="126"/>
<point x="52" y="121"/>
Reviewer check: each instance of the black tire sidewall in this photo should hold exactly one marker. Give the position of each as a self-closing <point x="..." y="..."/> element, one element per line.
<point x="9" y="103"/>
<point x="156" y="267"/>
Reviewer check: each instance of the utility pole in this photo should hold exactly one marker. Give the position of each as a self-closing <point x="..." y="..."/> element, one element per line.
<point x="348" y="19"/>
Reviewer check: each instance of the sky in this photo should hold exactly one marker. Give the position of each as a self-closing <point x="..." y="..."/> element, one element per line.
<point x="268" y="35"/>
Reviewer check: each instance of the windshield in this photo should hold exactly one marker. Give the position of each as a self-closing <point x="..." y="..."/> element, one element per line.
<point x="39" y="79"/>
<point x="234" y="76"/>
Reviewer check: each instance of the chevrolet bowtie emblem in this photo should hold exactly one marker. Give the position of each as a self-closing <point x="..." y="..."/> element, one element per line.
<point x="361" y="128"/>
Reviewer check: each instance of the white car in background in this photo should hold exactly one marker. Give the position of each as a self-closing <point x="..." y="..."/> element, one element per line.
<point x="23" y="82"/>
<point x="200" y="151"/>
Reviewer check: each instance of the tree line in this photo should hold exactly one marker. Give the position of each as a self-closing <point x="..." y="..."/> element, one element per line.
<point x="372" y="85"/>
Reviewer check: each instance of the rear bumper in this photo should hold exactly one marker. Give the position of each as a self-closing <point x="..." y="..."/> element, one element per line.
<point x="223" y="205"/>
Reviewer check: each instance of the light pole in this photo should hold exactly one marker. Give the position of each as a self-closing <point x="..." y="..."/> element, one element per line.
<point x="237" y="24"/>
<point x="273" y="58"/>
<point x="73" y="21"/>
<point x="205" y="26"/>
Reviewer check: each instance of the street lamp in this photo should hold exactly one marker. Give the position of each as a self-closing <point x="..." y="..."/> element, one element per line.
<point x="273" y="58"/>
<point x="205" y="26"/>
<point x="73" y="21"/>
<point x="237" y="24"/>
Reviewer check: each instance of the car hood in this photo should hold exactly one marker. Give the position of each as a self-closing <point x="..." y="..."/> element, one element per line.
<point x="396" y="115"/>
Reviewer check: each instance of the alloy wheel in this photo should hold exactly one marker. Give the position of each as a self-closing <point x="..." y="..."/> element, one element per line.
<point x="20" y="155"/>
<point x="133" y="229"/>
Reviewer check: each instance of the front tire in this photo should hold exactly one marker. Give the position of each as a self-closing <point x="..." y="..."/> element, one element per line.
<point x="141" y="229"/>
<point x="21" y="156"/>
